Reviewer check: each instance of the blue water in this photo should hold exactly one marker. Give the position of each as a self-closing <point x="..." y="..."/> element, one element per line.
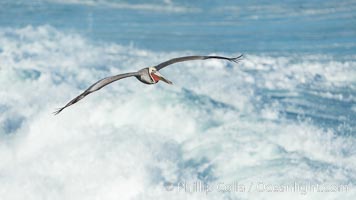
<point x="285" y="115"/>
<point x="278" y="27"/>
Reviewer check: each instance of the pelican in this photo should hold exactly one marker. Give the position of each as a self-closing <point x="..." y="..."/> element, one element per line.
<point x="148" y="75"/>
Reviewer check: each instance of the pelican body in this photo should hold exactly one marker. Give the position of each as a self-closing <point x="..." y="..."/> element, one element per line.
<point x="148" y="75"/>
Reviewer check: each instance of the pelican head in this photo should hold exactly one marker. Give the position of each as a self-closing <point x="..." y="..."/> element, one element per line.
<point x="156" y="76"/>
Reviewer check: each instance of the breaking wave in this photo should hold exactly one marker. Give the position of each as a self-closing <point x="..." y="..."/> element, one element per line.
<point x="271" y="119"/>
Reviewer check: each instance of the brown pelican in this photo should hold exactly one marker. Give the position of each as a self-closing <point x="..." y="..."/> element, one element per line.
<point x="148" y="75"/>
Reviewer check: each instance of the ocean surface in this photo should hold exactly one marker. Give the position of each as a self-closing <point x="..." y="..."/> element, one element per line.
<point x="281" y="124"/>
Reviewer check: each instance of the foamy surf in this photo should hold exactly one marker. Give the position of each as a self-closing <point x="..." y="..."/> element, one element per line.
<point x="268" y="121"/>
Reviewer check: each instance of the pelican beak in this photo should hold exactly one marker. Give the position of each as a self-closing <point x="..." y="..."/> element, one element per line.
<point x="162" y="78"/>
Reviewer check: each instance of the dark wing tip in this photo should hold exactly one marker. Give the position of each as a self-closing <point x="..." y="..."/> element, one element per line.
<point x="236" y="59"/>
<point x="58" y="111"/>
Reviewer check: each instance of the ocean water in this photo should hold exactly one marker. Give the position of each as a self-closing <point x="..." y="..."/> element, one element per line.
<point x="280" y="124"/>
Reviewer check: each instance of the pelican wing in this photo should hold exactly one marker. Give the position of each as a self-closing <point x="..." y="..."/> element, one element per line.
<point x="186" y="58"/>
<point x="95" y="87"/>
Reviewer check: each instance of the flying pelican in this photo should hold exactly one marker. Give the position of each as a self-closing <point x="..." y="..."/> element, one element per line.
<point x="148" y="75"/>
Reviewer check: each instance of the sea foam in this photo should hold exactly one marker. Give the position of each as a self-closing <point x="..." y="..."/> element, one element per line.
<point x="267" y="120"/>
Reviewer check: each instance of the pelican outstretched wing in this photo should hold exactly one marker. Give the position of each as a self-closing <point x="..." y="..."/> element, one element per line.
<point x="186" y="58"/>
<point x="95" y="87"/>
